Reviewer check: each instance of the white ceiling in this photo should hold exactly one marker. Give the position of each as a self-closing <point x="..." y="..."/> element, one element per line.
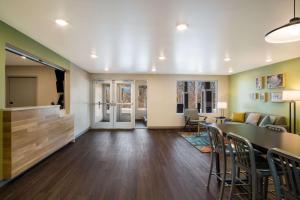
<point x="129" y="35"/>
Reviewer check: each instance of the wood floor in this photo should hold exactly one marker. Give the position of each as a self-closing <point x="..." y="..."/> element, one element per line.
<point x="125" y="165"/>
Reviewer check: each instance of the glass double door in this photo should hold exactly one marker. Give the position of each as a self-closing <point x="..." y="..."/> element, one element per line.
<point x="113" y="104"/>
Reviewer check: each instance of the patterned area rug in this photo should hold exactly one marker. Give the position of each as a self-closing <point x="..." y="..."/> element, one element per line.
<point x="199" y="141"/>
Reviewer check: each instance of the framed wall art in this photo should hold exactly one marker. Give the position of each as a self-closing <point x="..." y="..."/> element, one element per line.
<point x="259" y="81"/>
<point x="263" y="96"/>
<point x="276" y="97"/>
<point x="276" y="81"/>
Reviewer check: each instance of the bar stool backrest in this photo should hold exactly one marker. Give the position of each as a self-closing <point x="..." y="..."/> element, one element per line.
<point x="275" y="128"/>
<point x="217" y="139"/>
<point x="285" y="169"/>
<point x="244" y="153"/>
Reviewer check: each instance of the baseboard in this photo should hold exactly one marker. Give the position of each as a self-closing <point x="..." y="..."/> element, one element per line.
<point x="165" y="127"/>
<point x="2" y="183"/>
<point x="82" y="132"/>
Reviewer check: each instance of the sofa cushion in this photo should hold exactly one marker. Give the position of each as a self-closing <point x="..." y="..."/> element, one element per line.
<point x="231" y="122"/>
<point x="253" y="118"/>
<point x="265" y="121"/>
<point x="273" y="118"/>
<point x="238" y="117"/>
<point x="280" y="121"/>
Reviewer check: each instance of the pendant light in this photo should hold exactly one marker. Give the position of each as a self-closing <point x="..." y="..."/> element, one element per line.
<point x="287" y="33"/>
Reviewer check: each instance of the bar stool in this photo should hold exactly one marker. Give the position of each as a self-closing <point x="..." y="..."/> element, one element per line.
<point x="256" y="168"/>
<point x="285" y="168"/>
<point x="218" y="147"/>
<point x="275" y="128"/>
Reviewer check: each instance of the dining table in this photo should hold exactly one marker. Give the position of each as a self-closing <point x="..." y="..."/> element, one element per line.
<point x="262" y="138"/>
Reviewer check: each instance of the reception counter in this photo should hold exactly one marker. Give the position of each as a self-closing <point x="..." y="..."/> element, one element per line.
<point x="30" y="134"/>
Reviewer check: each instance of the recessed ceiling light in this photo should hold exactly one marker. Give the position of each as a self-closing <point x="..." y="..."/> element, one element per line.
<point x="182" y="27"/>
<point x="230" y="70"/>
<point x="227" y="59"/>
<point x="269" y="60"/>
<point x="106" y="69"/>
<point x="93" y="55"/>
<point x="61" y="22"/>
<point x="153" y="69"/>
<point x="162" y="57"/>
<point x="23" y="57"/>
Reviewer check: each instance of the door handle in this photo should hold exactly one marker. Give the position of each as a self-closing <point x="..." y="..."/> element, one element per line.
<point x="11" y="102"/>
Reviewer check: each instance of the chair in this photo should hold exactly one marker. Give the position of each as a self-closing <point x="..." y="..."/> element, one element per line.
<point x="218" y="146"/>
<point x="192" y="118"/>
<point x="285" y="169"/>
<point x="255" y="167"/>
<point x="275" y="128"/>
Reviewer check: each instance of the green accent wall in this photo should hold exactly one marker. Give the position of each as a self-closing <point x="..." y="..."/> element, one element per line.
<point x="242" y="84"/>
<point x="9" y="35"/>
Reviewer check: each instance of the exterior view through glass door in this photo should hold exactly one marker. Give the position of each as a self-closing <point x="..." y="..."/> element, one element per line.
<point x="113" y="104"/>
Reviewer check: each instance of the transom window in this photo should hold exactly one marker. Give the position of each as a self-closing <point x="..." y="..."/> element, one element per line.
<point x="201" y="95"/>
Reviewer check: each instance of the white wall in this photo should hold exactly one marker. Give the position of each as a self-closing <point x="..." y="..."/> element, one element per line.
<point x="162" y="95"/>
<point x="80" y="99"/>
<point x="46" y="81"/>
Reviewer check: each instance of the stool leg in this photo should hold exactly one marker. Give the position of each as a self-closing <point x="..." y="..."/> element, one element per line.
<point x="254" y="187"/>
<point x="211" y="168"/>
<point x="233" y="178"/>
<point x="223" y="178"/>
<point x="260" y="187"/>
<point x="266" y="187"/>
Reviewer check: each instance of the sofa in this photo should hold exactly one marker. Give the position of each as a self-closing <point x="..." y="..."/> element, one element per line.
<point x="275" y="120"/>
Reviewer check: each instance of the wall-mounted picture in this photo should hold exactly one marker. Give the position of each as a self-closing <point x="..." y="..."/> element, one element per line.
<point x="259" y="82"/>
<point x="276" y="81"/>
<point x="256" y="96"/>
<point x="276" y="97"/>
<point x="263" y="96"/>
<point x="253" y="96"/>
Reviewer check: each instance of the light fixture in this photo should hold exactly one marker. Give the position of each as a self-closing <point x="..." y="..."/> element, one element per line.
<point x="227" y="59"/>
<point x="291" y="96"/>
<point x="230" y="70"/>
<point x="222" y="106"/>
<point x="153" y="69"/>
<point x="23" y="57"/>
<point x="93" y="55"/>
<point x="289" y="32"/>
<point x="106" y="69"/>
<point x="182" y="27"/>
<point x="269" y="60"/>
<point x="61" y="22"/>
<point x="162" y="57"/>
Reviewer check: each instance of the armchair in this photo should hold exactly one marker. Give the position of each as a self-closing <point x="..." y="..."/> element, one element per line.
<point x="192" y="118"/>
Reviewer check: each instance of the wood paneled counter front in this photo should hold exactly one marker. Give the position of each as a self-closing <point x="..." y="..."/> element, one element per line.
<point x="32" y="133"/>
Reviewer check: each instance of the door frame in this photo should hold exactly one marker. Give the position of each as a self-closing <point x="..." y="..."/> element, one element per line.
<point x="98" y="125"/>
<point x="125" y="125"/>
<point x="113" y="124"/>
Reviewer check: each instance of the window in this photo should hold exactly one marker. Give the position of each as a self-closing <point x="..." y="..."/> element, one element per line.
<point x="142" y="97"/>
<point x="201" y="95"/>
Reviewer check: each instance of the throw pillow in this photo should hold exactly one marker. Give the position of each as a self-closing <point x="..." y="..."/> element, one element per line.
<point x="265" y="121"/>
<point x="252" y="118"/>
<point x="238" y="117"/>
<point x="273" y="118"/>
<point x="280" y="121"/>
